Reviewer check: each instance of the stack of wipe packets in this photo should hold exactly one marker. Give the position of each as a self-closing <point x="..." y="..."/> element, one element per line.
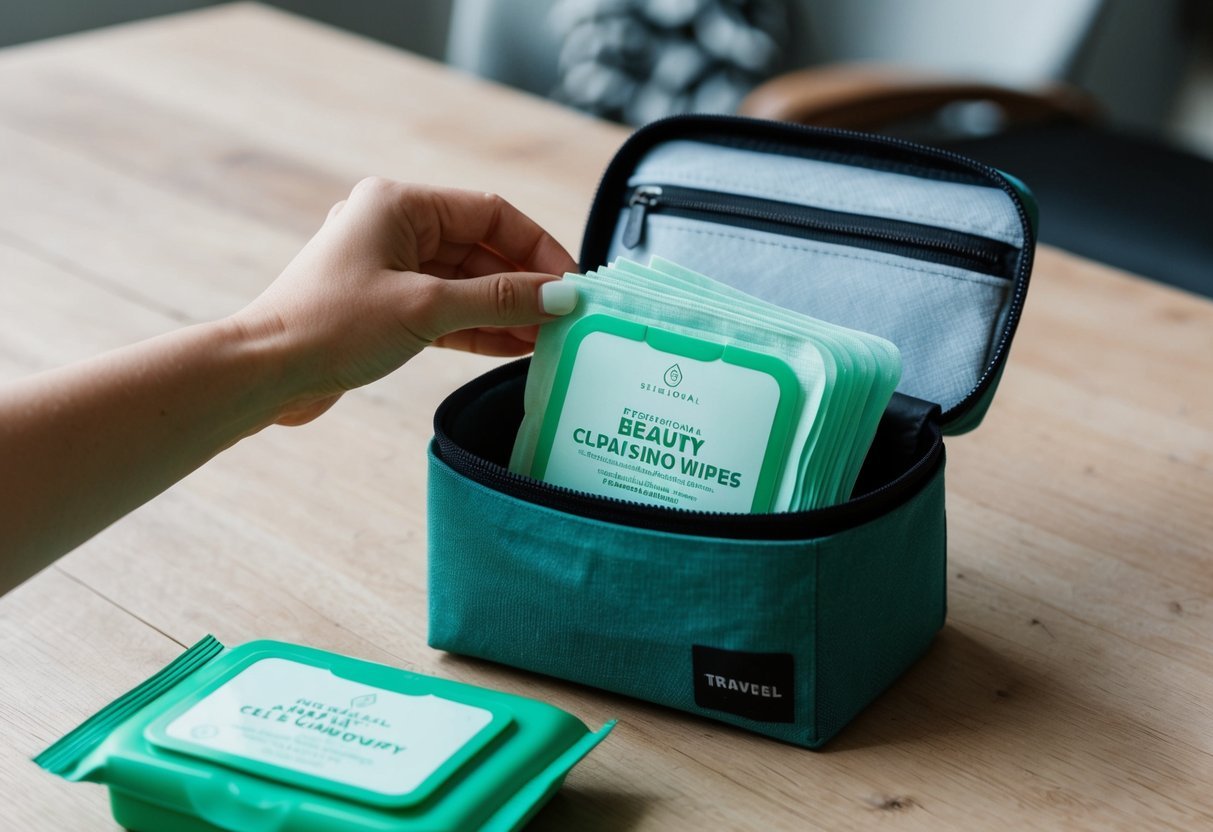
<point x="668" y="388"/>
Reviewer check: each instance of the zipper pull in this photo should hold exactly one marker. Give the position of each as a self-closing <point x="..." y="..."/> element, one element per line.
<point x="642" y="199"/>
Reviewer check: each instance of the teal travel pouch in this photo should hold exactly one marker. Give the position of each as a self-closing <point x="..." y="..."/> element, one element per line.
<point x="785" y="624"/>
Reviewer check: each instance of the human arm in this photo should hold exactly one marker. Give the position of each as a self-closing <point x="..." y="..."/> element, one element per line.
<point x="394" y="268"/>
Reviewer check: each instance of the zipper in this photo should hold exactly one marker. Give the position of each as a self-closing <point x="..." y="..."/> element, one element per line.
<point x="788" y="138"/>
<point x="640" y="202"/>
<point x="797" y="525"/>
<point x="905" y="239"/>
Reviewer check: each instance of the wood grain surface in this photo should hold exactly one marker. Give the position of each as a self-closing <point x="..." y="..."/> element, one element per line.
<point x="164" y="172"/>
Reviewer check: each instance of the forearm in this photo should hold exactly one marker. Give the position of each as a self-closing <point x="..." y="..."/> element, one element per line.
<point x="82" y="445"/>
<point x="394" y="268"/>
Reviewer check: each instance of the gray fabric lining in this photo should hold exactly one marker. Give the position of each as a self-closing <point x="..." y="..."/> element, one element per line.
<point x="940" y="317"/>
<point x="944" y="319"/>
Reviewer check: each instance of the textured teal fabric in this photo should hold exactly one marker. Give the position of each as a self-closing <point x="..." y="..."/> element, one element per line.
<point x="881" y="598"/>
<point x="620" y="608"/>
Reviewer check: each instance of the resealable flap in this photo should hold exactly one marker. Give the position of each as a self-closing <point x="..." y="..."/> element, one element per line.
<point x="921" y="246"/>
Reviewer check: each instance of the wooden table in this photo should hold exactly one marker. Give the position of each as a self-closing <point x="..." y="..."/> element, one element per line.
<point x="163" y="173"/>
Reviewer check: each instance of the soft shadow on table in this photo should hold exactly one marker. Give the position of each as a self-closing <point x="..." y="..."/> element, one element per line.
<point x="589" y="810"/>
<point x="976" y="679"/>
<point x="960" y="685"/>
<point x="575" y="805"/>
<point x="970" y="695"/>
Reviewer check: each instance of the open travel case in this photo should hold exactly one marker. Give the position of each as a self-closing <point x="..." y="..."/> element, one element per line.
<point x="785" y="624"/>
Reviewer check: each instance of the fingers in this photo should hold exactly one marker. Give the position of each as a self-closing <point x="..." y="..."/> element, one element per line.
<point x="334" y="211"/>
<point x="509" y="299"/>
<point x="471" y="260"/>
<point x="485" y="342"/>
<point x="471" y="218"/>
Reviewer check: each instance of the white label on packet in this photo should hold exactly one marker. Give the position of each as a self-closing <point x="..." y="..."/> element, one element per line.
<point x="653" y="427"/>
<point x="304" y="718"/>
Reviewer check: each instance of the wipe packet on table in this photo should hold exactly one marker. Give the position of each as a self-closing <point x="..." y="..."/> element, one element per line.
<point x="274" y="736"/>
<point x="845" y="380"/>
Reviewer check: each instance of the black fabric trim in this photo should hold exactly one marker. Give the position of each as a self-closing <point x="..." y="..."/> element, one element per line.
<point x="474" y="431"/>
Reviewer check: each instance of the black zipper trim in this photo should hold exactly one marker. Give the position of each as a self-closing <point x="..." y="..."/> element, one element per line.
<point x="797" y="525"/>
<point x="812" y="142"/>
<point x="906" y="239"/>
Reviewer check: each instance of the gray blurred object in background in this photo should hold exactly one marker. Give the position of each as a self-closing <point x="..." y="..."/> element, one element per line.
<point x="417" y="25"/>
<point x="1132" y="54"/>
<point x="638" y="60"/>
<point x="1142" y="60"/>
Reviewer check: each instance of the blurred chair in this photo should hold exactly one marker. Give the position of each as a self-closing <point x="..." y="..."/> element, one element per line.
<point x="511" y="42"/>
<point x="1015" y="43"/>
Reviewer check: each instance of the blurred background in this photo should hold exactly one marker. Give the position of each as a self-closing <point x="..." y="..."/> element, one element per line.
<point x="1149" y="64"/>
<point x="1105" y="107"/>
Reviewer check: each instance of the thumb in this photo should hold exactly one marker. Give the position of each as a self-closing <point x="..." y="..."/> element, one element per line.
<point x="499" y="300"/>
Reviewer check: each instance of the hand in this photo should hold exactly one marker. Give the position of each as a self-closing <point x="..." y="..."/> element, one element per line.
<point x="396" y="267"/>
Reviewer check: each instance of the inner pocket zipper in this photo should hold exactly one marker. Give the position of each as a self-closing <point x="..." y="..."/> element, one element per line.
<point x="920" y="242"/>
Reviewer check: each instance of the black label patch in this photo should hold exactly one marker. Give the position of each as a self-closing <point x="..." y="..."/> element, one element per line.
<point x="758" y="686"/>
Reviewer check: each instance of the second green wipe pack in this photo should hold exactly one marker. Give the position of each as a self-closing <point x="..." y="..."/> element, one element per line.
<point x="275" y="736"/>
<point x="666" y="387"/>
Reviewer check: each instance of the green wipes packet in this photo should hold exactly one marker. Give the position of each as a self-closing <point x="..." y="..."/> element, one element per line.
<point x="668" y="388"/>
<point x="274" y="736"/>
<point x="697" y="385"/>
<point x="867" y="369"/>
<point x="871" y="367"/>
<point x="725" y="457"/>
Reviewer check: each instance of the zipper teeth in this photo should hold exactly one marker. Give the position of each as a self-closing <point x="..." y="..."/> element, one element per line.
<point x="856" y="231"/>
<point x="686" y="521"/>
<point x="504" y="476"/>
<point x="1025" y="260"/>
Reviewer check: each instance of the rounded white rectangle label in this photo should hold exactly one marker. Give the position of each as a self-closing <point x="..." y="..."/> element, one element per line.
<point x="642" y="424"/>
<point x="306" y="719"/>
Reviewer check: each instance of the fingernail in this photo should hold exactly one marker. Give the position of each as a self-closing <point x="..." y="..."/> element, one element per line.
<point x="557" y="297"/>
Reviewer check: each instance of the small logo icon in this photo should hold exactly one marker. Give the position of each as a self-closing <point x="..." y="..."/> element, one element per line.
<point x="673" y="376"/>
<point x="204" y="732"/>
<point x="363" y="701"/>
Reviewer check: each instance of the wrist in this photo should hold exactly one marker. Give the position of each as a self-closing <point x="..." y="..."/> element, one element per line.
<point x="259" y="352"/>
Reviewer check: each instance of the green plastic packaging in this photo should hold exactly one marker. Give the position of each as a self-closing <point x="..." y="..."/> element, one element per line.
<point x="274" y="737"/>
<point x="838" y="382"/>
